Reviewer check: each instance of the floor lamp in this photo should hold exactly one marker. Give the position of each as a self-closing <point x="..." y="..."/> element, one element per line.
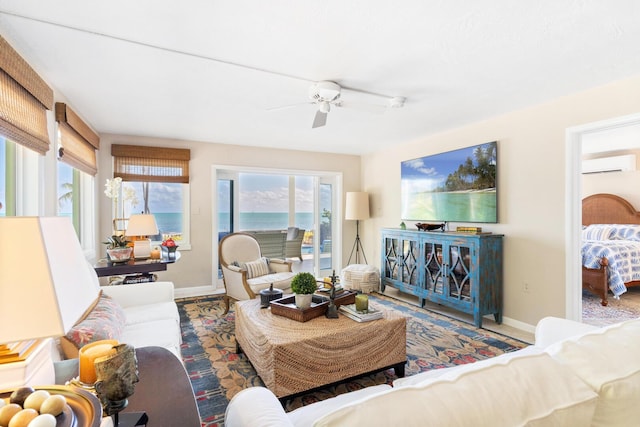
<point x="357" y="207"/>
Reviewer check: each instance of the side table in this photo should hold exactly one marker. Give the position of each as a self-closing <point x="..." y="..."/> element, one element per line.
<point x="107" y="268"/>
<point x="164" y="391"/>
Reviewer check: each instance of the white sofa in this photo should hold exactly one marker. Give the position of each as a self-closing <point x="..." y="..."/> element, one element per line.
<point x="574" y="375"/>
<point x="143" y="314"/>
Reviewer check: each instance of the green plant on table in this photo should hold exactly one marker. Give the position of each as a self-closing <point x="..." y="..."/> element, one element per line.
<point x="304" y="283"/>
<point x="114" y="242"/>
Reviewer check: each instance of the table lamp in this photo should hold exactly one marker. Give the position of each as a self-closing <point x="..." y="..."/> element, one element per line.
<point x="140" y="227"/>
<point x="357" y="207"/>
<point x="45" y="283"/>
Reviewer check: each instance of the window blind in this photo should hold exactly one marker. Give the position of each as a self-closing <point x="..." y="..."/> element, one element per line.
<point x="24" y="99"/>
<point x="150" y="164"/>
<point x="79" y="142"/>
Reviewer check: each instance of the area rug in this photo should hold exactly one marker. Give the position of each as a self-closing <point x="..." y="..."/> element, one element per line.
<point x="618" y="310"/>
<point x="217" y="373"/>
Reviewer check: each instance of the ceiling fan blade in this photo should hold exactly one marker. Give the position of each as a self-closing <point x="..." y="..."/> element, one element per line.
<point x="360" y="106"/>
<point x="319" y="120"/>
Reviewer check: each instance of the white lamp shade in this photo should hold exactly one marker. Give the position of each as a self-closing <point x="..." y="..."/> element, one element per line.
<point x="45" y="281"/>
<point x="357" y="205"/>
<point x="142" y="225"/>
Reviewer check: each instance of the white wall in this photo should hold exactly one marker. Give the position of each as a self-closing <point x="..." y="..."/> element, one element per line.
<point x="531" y="186"/>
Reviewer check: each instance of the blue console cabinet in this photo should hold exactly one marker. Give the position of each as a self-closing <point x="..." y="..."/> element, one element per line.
<point x="461" y="271"/>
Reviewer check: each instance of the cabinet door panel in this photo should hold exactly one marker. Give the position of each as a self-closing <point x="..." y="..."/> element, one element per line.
<point x="410" y="262"/>
<point x="460" y="278"/>
<point x="434" y="268"/>
<point x="392" y="258"/>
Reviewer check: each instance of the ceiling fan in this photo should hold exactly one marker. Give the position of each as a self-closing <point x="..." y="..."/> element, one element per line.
<point x="326" y="94"/>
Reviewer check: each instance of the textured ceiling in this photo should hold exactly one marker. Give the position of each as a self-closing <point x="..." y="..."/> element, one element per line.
<point x="212" y="71"/>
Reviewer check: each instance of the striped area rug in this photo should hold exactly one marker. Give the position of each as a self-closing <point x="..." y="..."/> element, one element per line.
<point x="217" y="373"/>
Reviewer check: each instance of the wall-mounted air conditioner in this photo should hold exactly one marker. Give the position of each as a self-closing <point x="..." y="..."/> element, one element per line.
<point x="624" y="163"/>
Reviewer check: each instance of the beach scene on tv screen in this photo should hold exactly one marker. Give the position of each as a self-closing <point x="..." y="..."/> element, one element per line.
<point x="456" y="186"/>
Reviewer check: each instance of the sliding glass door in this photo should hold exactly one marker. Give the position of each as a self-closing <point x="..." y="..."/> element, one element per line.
<point x="254" y="200"/>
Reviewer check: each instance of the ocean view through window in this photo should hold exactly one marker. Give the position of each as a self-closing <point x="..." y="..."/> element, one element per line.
<point x="268" y="220"/>
<point x="164" y="200"/>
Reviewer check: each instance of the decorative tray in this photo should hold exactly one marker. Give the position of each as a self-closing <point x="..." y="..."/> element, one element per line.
<point x="83" y="409"/>
<point x="287" y="307"/>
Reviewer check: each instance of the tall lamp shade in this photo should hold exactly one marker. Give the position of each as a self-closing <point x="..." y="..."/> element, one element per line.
<point x="357" y="205"/>
<point x="45" y="282"/>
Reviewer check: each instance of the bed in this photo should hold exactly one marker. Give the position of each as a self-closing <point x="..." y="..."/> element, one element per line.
<point x="610" y="245"/>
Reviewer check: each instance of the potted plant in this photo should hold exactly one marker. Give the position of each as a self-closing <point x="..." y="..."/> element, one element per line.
<point x="118" y="249"/>
<point x="303" y="286"/>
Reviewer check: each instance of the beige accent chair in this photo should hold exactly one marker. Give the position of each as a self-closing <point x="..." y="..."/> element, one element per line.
<point x="293" y="244"/>
<point x="238" y="252"/>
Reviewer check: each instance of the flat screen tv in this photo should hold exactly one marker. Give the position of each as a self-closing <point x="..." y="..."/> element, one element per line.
<point x="456" y="186"/>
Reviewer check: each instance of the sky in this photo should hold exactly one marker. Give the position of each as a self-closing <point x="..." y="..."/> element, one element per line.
<point x="270" y="193"/>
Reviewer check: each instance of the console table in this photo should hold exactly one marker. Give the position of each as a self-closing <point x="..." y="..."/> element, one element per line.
<point x="107" y="268"/>
<point x="461" y="271"/>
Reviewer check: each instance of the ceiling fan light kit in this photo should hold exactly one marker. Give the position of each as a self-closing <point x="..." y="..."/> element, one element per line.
<point x="325" y="94"/>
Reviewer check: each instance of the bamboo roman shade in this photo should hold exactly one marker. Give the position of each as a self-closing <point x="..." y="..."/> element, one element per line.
<point x="24" y="99"/>
<point x="79" y="142"/>
<point x="150" y="164"/>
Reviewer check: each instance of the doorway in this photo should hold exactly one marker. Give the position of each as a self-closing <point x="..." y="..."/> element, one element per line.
<point x="248" y="198"/>
<point x="573" y="220"/>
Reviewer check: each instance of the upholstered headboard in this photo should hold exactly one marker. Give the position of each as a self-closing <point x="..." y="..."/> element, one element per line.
<point x="608" y="209"/>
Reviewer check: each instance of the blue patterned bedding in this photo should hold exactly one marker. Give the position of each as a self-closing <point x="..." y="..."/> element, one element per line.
<point x="620" y="244"/>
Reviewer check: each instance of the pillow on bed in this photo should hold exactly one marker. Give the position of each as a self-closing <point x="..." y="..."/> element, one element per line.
<point x="597" y="232"/>
<point x="625" y="232"/>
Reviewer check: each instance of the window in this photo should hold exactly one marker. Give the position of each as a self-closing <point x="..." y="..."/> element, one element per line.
<point x="256" y="198"/>
<point x="19" y="180"/>
<point x="165" y="200"/>
<point x="6" y="178"/>
<point x="155" y="181"/>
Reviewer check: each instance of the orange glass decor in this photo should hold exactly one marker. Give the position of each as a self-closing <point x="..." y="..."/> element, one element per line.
<point x="89" y="353"/>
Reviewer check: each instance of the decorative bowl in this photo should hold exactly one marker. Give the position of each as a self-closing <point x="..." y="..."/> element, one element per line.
<point x="119" y="254"/>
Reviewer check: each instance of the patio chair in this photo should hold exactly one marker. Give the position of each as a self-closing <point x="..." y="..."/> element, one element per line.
<point x="293" y="244"/>
<point x="246" y="272"/>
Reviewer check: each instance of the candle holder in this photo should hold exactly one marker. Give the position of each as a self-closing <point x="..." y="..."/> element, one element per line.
<point x="332" y="309"/>
<point x="87" y="355"/>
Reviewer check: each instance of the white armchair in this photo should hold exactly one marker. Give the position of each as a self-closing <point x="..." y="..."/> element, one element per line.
<point x="246" y="272"/>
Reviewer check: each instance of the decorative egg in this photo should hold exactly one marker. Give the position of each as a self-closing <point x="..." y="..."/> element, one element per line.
<point x="43" y="420"/>
<point x="20" y="394"/>
<point x="23" y="418"/>
<point x="35" y="399"/>
<point x="53" y="405"/>
<point x="7" y="412"/>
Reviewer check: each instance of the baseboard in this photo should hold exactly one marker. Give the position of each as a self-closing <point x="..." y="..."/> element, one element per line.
<point x="197" y="291"/>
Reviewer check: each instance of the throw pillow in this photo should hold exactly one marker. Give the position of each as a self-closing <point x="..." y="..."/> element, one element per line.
<point x="105" y="321"/>
<point x="257" y="268"/>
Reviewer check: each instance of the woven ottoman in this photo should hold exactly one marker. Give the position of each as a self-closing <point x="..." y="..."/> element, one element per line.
<point x="360" y="277"/>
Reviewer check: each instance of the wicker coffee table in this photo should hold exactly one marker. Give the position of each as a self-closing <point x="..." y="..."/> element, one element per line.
<point x="292" y="357"/>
